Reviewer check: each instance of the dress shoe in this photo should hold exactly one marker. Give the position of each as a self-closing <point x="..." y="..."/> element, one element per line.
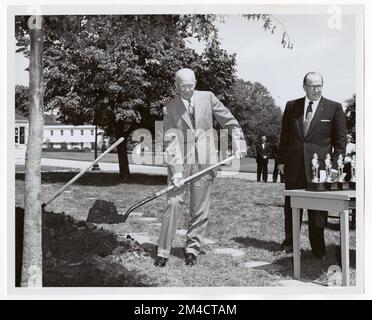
<point x="190" y="259"/>
<point x="160" y="262"/>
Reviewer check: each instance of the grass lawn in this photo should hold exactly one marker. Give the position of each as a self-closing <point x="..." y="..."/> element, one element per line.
<point x="246" y="164"/>
<point x="244" y="215"/>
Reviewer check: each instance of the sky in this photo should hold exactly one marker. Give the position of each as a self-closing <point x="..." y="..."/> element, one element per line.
<point x="261" y="58"/>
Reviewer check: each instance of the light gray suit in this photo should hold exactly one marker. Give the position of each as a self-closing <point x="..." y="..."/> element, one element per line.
<point x="190" y="150"/>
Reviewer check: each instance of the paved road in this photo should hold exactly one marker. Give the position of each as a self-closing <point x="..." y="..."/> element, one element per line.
<point x="134" y="168"/>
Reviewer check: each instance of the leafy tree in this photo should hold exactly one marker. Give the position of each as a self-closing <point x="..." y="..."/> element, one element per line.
<point x="118" y="73"/>
<point x="350" y="115"/>
<point x="21" y="99"/>
<point x="254" y="107"/>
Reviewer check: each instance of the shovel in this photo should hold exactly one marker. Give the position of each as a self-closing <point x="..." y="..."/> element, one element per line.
<point x="172" y="187"/>
<point x="82" y="172"/>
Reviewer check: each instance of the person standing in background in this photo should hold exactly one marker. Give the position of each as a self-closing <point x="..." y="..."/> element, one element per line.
<point x="275" y="154"/>
<point x="262" y="159"/>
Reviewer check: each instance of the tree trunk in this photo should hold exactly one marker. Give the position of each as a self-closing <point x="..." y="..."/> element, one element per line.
<point x="122" y="152"/>
<point x="32" y="249"/>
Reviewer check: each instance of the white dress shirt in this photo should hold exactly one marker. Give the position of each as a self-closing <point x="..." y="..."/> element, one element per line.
<point x="314" y="107"/>
<point x="186" y="102"/>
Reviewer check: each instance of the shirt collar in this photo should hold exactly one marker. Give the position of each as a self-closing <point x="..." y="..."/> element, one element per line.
<point x="314" y="106"/>
<point x="186" y="102"/>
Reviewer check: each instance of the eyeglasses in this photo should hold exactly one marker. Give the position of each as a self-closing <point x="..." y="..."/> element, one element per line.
<point x="186" y="86"/>
<point x="314" y="87"/>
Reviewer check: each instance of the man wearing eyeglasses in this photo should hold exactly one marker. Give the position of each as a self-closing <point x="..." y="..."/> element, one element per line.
<point x="312" y="124"/>
<point x="191" y="147"/>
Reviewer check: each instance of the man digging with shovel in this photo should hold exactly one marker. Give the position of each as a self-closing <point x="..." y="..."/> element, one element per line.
<point x="190" y="147"/>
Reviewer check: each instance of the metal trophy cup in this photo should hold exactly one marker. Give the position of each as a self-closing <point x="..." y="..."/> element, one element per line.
<point x="341" y="184"/>
<point x="315" y="184"/>
<point x="352" y="182"/>
<point x="329" y="184"/>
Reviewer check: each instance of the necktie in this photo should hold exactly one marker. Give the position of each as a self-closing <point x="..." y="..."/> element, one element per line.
<point x="191" y="113"/>
<point x="309" y="114"/>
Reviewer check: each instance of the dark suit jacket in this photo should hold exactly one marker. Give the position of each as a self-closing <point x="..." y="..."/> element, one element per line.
<point x="326" y="134"/>
<point x="262" y="152"/>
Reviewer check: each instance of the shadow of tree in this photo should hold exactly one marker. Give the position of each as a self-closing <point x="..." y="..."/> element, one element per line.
<point x="98" y="178"/>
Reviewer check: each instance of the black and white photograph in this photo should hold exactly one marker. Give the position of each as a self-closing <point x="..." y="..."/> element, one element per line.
<point x="177" y="147"/>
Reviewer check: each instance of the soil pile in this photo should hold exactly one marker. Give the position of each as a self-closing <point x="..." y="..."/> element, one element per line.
<point x="104" y="212"/>
<point x="78" y="254"/>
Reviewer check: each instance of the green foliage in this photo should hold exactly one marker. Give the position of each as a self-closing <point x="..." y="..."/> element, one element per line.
<point x="255" y="109"/>
<point x="350" y="116"/>
<point x="21" y="99"/>
<point x="271" y="23"/>
<point x="216" y="71"/>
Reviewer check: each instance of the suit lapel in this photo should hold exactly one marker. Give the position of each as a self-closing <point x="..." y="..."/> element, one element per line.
<point x="317" y="115"/>
<point x="299" y="115"/>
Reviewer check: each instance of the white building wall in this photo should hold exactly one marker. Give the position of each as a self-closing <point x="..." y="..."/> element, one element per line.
<point x="74" y="136"/>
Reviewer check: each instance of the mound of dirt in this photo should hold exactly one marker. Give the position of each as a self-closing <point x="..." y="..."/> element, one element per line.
<point x="104" y="212"/>
<point x="78" y="254"/>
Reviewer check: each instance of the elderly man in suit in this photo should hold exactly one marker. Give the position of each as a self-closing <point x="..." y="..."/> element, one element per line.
<point x="312" y="124"/>
<point x="190" y="147"/>
<point x="262" y="159"/>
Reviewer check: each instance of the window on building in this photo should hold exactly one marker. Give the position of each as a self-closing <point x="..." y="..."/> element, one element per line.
<point x="61" y="132"/>
<point x="82" y="132"/>
<point x="92" y="132"/>
<point x="16" y="135"/>
<point x="51" y="132"/>
<point x="20" y="135"/>
<point x="72" y="132"/>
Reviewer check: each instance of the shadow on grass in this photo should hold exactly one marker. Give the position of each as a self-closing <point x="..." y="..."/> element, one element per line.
<point x="311" y="268"/>
<point x="151" y="249"/>
<point x="279" y="205"/>
<point x="256" y="243"/>
<point x="334" y="225"/>
<point x="98" y="178"/>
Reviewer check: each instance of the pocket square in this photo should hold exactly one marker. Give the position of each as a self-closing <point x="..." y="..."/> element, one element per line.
<point x="325" y="120"/>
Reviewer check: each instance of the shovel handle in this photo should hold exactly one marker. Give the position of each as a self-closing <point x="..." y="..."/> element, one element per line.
<point x="82" y="172"/>
<point x="171" y="187"/>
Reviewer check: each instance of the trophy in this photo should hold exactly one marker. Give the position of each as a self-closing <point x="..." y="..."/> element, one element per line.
<point x="341" y="184"/>
<point x="329" y="184"/>
<point x="315" y="184"/>
<point x="352" y="182"/>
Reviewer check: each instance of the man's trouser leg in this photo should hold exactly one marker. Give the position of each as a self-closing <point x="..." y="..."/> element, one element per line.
<point x="264" y="170"/>
<point x="168" y="229"/>
<point x="259" y="169"/>
<point x="317" y="221"/>
<point x="275" y="171"/>
<point x="200" y="191"/>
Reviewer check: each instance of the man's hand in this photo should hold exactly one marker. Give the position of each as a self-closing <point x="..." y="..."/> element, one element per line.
<point x="239" y="154"/>
<point x="177" y="180"/>
<point x="281" y="168"/>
